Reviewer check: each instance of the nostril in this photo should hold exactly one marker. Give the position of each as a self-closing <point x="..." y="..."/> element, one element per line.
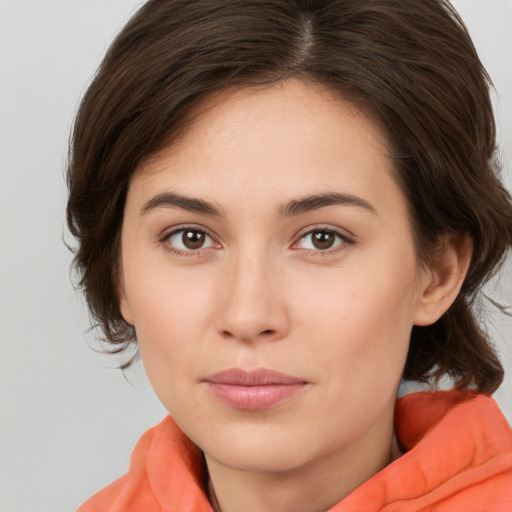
<point x="268" y="331"/>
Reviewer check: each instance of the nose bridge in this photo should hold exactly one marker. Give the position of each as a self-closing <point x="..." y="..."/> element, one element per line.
<point x="252" y="305"/>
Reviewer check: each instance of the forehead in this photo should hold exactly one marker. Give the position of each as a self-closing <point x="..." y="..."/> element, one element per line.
<point x="267" y="144"/>
<point x="272" y="124"/>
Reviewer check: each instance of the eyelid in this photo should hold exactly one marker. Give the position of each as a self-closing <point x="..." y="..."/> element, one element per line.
<point x="168" y="233"/>
<point x="346" y="237"/>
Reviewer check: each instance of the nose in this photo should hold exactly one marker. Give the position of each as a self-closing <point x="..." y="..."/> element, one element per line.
<point x="252" y="301"/>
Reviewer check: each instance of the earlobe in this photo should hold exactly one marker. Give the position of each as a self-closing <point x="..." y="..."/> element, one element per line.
<point x="124" y="306"/>
<point x="126" y="311"/>
<point x="441" y="282"/>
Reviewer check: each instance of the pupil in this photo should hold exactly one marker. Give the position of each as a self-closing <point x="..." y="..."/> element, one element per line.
<point x="193" y="239"/>
<point x="323" y="239"/>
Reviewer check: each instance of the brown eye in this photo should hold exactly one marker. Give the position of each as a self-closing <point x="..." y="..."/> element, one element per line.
<point x="189" y="240"/>
<point x="323" y="239"/>
<point x="193" y="239"/>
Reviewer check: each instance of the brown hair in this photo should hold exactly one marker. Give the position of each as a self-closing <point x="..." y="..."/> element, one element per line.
<point x="410" y="63"/>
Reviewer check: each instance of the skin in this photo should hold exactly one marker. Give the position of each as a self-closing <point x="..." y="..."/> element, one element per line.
<point x="258" y="293"/>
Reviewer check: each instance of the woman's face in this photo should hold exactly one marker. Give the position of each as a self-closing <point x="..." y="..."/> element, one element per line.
<point x="270" y="273"/>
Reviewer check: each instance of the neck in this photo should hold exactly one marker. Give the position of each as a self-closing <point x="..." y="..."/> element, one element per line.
<point x="315" y="487"/>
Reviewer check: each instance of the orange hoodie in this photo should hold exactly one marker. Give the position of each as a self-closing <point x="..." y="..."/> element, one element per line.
<point x="458" y="459"/>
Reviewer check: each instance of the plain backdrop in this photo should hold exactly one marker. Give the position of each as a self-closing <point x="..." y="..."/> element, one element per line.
<point x="69" y="419"/>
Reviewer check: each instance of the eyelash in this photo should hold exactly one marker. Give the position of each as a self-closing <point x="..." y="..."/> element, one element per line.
<point x="343" y="242"/>
<point x="185" y="253"/>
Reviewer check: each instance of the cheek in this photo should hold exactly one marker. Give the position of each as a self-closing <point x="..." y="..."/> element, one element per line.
<point x="164" y="297"/>
<point x="171" y="312"/>
<point x="362" y="319"/>
<point x="160" y="311"/>
<point x="169" y="328"/>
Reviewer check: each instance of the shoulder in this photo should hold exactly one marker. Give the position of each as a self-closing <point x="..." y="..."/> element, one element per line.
<point x="166" y="472"/>
<point x="131" y="492"/>
<point x="458" y="458"/>
<point x="461" y="445"/>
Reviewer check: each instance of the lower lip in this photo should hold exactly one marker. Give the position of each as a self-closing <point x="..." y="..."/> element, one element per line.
<point x="254" y="398"/>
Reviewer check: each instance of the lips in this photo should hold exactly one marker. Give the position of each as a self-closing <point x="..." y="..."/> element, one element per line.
<point x="253" y="390"/>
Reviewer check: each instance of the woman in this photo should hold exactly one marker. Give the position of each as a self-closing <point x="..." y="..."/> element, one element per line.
<point x="289" y="206"/>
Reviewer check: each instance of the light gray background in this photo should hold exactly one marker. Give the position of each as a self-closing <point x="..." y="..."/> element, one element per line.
<point x="69" y="419"/>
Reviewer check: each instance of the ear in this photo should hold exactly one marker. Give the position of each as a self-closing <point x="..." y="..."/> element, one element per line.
<point x="442" y="281"/>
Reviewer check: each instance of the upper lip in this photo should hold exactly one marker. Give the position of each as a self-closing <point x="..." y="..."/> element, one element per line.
<point x="258" y="377"/>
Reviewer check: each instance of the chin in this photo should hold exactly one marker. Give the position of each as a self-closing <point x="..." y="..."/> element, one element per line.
<point x="260" y="459"/>
<point x="265" y="448"/>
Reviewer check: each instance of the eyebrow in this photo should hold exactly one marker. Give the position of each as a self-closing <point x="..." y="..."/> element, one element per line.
<point x="190" y="204"/>
<point x="294" y="207"/>
<point x="317" y="201"/>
